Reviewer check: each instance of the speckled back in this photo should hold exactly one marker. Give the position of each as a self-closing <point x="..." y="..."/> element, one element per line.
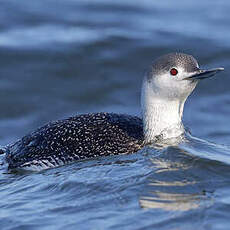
<point x="76" y="138"/>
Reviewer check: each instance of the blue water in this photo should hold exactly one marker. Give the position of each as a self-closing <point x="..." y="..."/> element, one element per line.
<point x="60" y="58"/>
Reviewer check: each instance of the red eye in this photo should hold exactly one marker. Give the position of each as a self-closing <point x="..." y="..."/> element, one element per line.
<point x="173" y="71"/>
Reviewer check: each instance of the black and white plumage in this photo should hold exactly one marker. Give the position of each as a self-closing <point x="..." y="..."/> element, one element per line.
<point x="77" y="138"/>
<point x="165" y="89"/>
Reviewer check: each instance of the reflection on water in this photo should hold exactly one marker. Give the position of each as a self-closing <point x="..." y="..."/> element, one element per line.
<point x="185" y="178"/>
<point x="168" y="189"/>
<point x="172" y="201"/>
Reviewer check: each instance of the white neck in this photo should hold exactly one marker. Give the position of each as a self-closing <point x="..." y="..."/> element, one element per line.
<point x="161" y="116"/>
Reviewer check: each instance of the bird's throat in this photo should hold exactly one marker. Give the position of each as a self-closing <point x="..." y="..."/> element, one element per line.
<point x="161" y="116"/>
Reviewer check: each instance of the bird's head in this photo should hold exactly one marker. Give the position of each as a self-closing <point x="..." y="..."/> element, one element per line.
<point x="175" y="75"/>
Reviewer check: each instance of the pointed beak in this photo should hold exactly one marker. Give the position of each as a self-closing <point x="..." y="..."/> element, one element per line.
<point x="202" y="74"/>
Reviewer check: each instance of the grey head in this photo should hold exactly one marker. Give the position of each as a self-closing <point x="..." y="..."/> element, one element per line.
<point x="175" y="75"/>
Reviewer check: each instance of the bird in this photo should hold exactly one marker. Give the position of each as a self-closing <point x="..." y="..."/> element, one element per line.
<point x="165" y="88"/>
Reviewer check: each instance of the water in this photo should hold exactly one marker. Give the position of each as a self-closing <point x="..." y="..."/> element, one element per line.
<point x="59" y="58"/>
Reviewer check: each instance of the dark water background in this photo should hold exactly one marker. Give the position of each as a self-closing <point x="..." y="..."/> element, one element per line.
<point x="59" y="58"/>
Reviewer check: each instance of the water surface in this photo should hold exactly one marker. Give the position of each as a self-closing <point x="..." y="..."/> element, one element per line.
<point x="60" y="58"/>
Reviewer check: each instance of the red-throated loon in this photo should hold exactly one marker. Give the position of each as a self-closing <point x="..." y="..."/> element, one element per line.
<point x="165" y="89"/>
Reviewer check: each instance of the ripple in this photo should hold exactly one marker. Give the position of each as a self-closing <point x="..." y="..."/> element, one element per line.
<point x="45" y="35"/>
